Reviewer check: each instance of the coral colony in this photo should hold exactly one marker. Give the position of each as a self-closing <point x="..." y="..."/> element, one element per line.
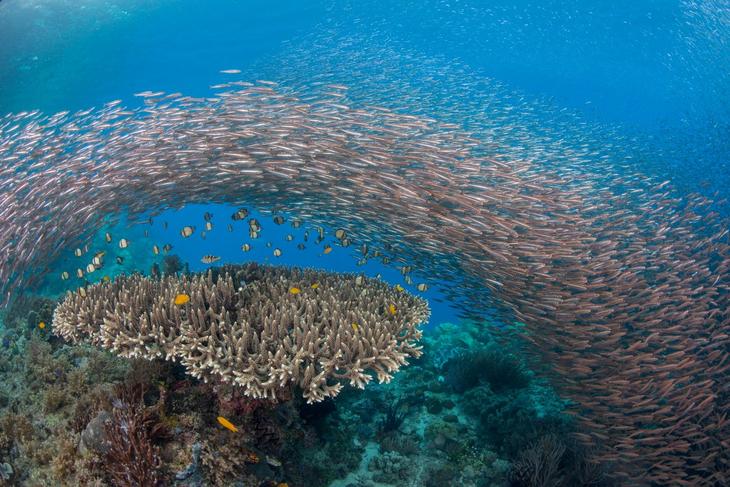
<point x="263" y="328"/>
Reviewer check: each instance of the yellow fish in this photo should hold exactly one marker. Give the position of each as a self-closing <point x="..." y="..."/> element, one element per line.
<point x="355" y="327"/>
<point x="42" y="325"/>
<point x="327" y="249"/>
<point x="315" y="285"/>
<point x="295" y="290"/>
<point x="398" y="287"/>
<point x="391" y="309"/>
<point x="106" y="279"/>
<point x="181" y="299"/>
<point x="227" y="424"/>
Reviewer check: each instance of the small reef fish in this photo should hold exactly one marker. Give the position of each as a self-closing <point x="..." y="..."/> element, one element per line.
<point x="422" y="287"/>
<point x="208" y="226"/>
<point x="399" y="288"/>
<point x="78" y="253"/>
<point x="227" y="424"/>
<point x="240" y="214"/>
<point x="181" y="299"/>
<point x="187" y="231"/>
<point x="246" y="247"/>
<point x="359" y="280"/>
<point x="327" y="249"/>
<point x="120" y="260"/>
<point x="277" y="252"/>
<point x="123" y="243"/>
<point x="42" y="325"/>
<point x="278" y="219"/>
<point x="355" y="326"/>
<point x="314" y="285"/>
<point x="295" y="290"/>
<point x="209" y="259"/>
<point x="340" y="234"/>
<point x="108" y="237"/>
<point x="230" y="71"/>
<point x="166" y="248"/>
<point x="155" y="250"/>
<point x="391" y="309"/>
<point x="64" y="276"/>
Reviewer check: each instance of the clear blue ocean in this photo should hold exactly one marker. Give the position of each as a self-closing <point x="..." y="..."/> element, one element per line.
<point x="364" y="244"/>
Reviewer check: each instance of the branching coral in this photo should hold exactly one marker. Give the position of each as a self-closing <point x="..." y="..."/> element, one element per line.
<point x="261" y="327"/>
<point x="539" y="465"/>
<point x="501" y="370"/>
<point x="132" y="458"/>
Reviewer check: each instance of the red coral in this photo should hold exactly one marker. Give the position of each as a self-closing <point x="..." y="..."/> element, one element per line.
<point x="133" y="459"/>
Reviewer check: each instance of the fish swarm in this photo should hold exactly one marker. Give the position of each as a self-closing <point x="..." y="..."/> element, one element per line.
<point x="242" y="325"/>
<point x="623" y="286"/>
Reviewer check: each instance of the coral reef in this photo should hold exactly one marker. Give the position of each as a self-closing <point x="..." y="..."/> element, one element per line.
<point x="263" y="328"/>
<point x="77" y="415"/>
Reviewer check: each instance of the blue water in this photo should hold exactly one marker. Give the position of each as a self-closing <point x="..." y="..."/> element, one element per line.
<point x="651" y="69"/>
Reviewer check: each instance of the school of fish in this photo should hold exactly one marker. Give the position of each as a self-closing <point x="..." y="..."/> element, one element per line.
<point x="622" y="285"/>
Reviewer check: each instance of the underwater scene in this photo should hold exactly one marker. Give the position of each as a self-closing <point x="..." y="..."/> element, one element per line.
<point x="360" y="243"/>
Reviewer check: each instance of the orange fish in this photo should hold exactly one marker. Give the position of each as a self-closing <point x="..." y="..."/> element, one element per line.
<point x="181" y="299"/>
<point x="227" y="424"/>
